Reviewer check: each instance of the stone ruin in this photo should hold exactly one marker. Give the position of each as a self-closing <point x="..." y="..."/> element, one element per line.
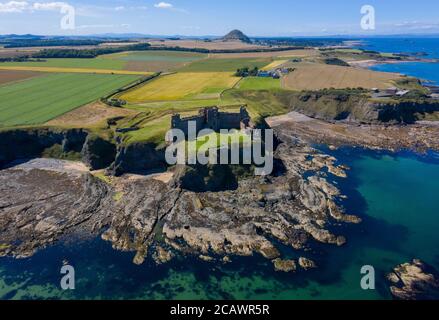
<point x="212" y="118"/>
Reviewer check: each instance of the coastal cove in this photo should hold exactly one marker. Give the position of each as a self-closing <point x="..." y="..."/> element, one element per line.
<point x="427" y="72"/>
<point x="394" y="194"/>
<point x="418" y="47"/>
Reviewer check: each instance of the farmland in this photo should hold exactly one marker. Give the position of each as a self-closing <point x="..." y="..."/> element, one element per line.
<point x="65" y="91"/>
<point x="225" y="65"/>
<point x="41" y="99"/>
<point x="274" y="64"/>
<point x="138" y="61"/>
<point x="179" y="86"/>
<point x="155" y="60"/>
<point x="258" y="83"/>
<point x="96" y="63"/>
<point x="72" y="70"/>
<point x="302" y="53"/>
<point x="312" y="76"/>
<point x="7" y="76"/>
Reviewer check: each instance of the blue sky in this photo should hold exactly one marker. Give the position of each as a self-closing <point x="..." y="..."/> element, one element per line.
<point x="210" y="17"/>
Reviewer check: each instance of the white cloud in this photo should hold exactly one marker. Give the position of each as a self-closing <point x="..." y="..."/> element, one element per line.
<point x="22" y="6"/>
<point x="49" y="6"/>
<point x="163" y="5"/>
<point x="13" y="6"/>
<point x="121" y="8"/>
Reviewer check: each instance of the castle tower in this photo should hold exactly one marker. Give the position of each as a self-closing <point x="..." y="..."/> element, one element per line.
<point x="175" y="121"/>
<point x="212" y="118"/>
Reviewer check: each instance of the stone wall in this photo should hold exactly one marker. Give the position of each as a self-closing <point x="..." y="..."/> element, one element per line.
<point x="212" y="118"/>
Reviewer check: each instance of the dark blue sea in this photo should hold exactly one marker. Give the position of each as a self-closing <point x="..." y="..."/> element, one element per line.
<point x="428" y="72"/>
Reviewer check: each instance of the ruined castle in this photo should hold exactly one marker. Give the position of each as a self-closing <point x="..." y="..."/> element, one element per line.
<point x="212" y="118"/>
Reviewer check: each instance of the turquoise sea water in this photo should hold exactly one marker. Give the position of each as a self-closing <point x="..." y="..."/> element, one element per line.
<point x="395" y="194"/>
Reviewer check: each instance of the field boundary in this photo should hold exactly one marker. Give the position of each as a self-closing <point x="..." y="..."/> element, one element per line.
<point x="129" y="87"/>
<point x="73" y="70"/>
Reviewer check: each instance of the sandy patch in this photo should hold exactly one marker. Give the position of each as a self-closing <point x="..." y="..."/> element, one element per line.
<point x="61" y="166"/>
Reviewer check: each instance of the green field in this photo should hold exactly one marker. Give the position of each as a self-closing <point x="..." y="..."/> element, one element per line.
<point x="258" y="83"/>
<point x="154" y="61"/>
<point x="263" y="103"/>
<point x="41" y="99"/>
<point x="159" y="55"/>
<point x="96" y="63"/>
<point x="225" y="65"/>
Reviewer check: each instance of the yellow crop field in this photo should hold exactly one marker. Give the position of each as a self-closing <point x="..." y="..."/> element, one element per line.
<point x="180" y="86"/>
<point x="314" y="76"/>
<point x="72" y="70"/>
<point x="274" y="64"/>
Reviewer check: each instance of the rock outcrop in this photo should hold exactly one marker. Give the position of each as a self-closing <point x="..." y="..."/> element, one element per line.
<point x="137" y="157"/>
<point x="23" y="144"/>
<point x="236" y="35"/>
<point x="294" y="207"/>
<point x="306" y="264"/>
<point x="414" y="281"/>
<point x="38" y="207"/>
<point x="98" y="153"/>
<point x="284" y="265"/>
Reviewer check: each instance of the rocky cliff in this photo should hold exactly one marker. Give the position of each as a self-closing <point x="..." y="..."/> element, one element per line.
<point x="95" y="151"/>
<point x="342" y="105"/>
<point x="159" y="220"/>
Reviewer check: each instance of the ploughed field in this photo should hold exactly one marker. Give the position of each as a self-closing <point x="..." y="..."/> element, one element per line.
<point x="40" y="99"/>
<point x="8" y="76"/>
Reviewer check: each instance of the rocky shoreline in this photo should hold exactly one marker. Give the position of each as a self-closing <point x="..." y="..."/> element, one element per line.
<point x="420" y="137"/>
<point x="414" y="281"/>
<point x="158" y="220"/>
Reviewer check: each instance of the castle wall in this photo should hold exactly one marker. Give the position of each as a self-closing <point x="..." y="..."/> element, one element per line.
<point x="229" y="120"/>
<point x="183" y="124"/>
<point x="211" y="118"/>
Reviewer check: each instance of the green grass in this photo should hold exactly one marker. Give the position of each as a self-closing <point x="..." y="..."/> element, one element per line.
<point x="216" y="140"/>
<point x="96" y="63"/>
<point x="260" y="103"/>
<point x="224" y="65"/>
<point x="41" y="99"/>
<point x="258" y="83"/>
<point x="155" y="118"/>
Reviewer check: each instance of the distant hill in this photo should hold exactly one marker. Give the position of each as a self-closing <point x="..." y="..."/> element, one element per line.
<point x="236" y="35"/>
